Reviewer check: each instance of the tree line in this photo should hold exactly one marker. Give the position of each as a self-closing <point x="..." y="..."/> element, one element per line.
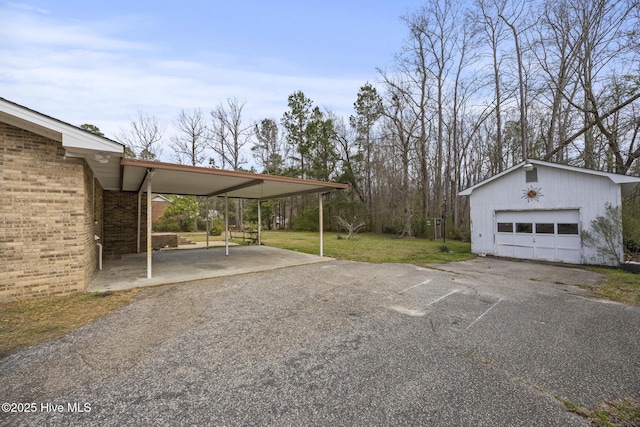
<point x="475" y="88"/>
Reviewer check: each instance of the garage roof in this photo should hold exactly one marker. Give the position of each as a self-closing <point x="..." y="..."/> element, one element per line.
<point x="627" y="183"/>
<point x="169" y="178"/>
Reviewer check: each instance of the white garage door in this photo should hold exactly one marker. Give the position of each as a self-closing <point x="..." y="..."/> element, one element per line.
<point x="543" y="235"/>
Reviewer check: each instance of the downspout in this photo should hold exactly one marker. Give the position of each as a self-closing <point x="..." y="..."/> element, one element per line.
<point x="96" y="238"/>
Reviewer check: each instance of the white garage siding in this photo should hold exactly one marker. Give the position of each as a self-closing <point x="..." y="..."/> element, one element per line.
<point x="542" y="235"/>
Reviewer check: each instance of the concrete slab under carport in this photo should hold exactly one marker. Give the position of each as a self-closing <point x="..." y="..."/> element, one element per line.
<point x="175" y="266"/>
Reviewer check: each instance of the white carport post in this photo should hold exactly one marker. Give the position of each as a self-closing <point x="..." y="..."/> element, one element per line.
<point x="139" y="220"/>
<point x="207" y="218"/>
<point x="321" y="224"/>
<point x="226" y="224"/>
<point x="149" y="237"/>
<point x="259" y="223"/>
<point x="146" y="186"/>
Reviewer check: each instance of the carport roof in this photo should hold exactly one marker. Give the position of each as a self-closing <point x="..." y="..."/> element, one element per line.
<point x="115" y="173"/>
<point x="169" y="178"/>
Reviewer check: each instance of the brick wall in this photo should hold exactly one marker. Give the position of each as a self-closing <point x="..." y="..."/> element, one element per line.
<point x="157" y="209"/>
<point x="121" y="223"/>
<point x="164" y="240"/>
<point x="46" y="233"/>
<point x="93" y="210"/>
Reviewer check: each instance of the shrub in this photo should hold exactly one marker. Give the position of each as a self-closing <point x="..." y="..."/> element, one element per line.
<point x="605" y="234"/>
<point x="217" y="227"/>
<point x="167" y="225"/>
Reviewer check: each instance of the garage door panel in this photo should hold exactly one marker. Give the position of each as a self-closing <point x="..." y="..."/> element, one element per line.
<point x="523" y="252"/>
<point x="545" y="241"/>
<point x="539" y="235"/>
<point x="548" y="254"/>
<point x="523" y="240"/>
<point x="504" y="239"/>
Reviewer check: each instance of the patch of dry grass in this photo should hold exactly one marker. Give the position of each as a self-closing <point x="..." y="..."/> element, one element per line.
<point x="619" y="285"/>
<point x="24" y="323"/>
<point x="617" y="413"/>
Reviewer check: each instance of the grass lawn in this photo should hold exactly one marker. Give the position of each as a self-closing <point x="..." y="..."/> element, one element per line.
<point x="365" y="247"/>
<point x="376" y="248"/>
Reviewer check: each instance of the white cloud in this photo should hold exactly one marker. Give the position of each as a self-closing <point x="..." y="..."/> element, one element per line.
<point x="82" y="74"/>
<point x="19" y="29"/>
<point x="28" y="8"/>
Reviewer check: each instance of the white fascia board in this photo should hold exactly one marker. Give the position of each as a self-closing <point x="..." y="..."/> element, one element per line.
<point x="468" y="191"/>
<point x="614" y="177"/>
<point x="70" y="136"/>
<point x="76" y="138"/>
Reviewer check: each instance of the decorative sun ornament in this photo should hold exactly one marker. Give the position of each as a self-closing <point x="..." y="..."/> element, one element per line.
<point x="532" y="194"/>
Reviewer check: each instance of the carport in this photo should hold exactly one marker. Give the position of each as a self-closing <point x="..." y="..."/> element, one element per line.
<point x="167" y="178"/>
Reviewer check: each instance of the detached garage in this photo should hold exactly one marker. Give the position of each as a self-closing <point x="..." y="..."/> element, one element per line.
<point x="538" y="210"/>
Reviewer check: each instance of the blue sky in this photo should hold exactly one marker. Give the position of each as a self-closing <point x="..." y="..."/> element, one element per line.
<point x="100" y="61"/>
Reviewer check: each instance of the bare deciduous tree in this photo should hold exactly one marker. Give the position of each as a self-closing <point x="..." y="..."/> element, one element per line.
<point x="402" y="124"/>
<point x="190" y="142"/>
<point x="490" y="29"/>
<point x="144" y="136"/>
<point x="512" y="21"/>
<point x="230" y="134"/>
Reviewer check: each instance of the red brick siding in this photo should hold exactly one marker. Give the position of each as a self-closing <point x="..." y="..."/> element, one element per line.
<point x="157" y="210"/>
<point x="121" y="223"/>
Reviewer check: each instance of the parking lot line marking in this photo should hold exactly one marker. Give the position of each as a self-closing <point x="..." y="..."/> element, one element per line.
<point x="415" y="286"/>
<point x="441" y="298"/>
<point x="482" y="315"/>
<point x="408" y="311"/>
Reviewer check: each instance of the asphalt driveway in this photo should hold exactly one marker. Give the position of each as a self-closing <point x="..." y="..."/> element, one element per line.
<point x="478" y="343"/>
